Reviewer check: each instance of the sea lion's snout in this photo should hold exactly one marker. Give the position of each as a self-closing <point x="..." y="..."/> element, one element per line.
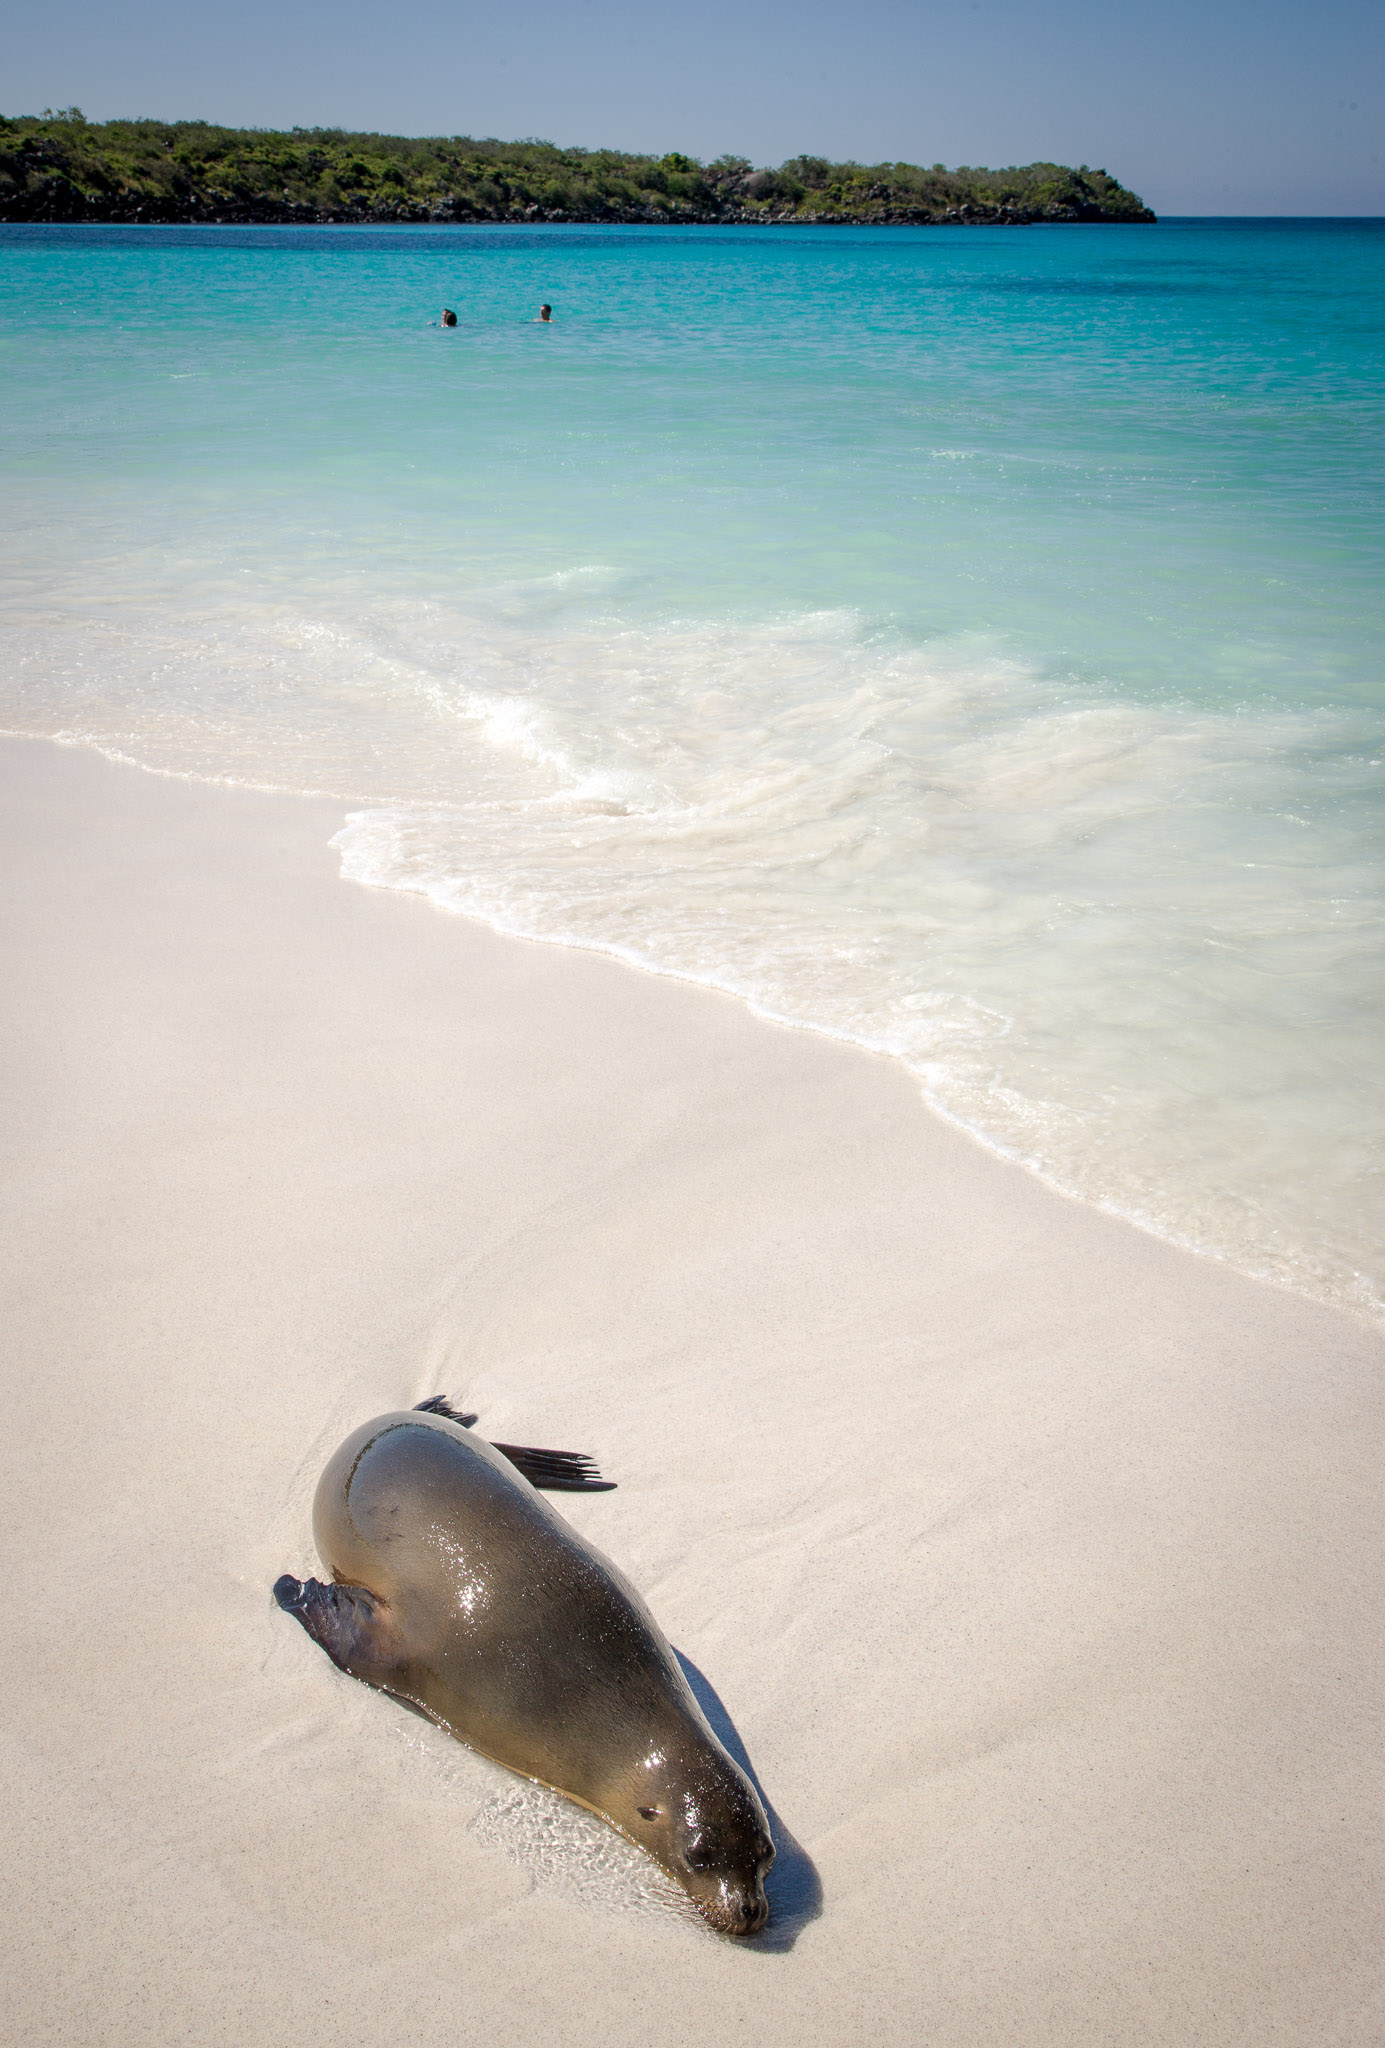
<point x="737" y="1908"/>
<point x="725" y="1877"/>
<point x="702" y="1819"/>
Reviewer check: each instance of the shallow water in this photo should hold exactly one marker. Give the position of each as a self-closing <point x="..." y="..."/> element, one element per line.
<point x="967" y="642"/>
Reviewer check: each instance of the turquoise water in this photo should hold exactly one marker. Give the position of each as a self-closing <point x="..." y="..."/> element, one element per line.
<point x="968" y="642"/>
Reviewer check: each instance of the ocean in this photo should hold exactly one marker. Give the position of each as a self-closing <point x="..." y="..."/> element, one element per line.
<point x="964" y="642"/>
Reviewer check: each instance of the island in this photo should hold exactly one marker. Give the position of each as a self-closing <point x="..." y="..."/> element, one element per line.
<point x="60" y="167"/>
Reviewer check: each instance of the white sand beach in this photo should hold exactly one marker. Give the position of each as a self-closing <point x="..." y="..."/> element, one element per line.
<point x="1038" y="1565"/>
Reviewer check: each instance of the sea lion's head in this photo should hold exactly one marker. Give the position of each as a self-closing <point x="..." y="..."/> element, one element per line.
<point x="698" y="1815"/>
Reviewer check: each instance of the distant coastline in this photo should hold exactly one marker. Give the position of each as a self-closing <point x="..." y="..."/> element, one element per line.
<point x="60" y="168"/>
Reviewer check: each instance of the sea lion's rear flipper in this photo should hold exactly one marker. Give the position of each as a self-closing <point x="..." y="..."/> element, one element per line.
<point x="349" y="1623"/>
<point x="554" y="1471"/>
<point x="438" y="1404"/>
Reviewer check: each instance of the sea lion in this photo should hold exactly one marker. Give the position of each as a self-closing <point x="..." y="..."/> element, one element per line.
<point x="460" y="1591"/>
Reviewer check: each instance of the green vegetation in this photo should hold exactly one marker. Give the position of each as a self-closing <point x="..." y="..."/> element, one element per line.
<point x="61" y="167"/>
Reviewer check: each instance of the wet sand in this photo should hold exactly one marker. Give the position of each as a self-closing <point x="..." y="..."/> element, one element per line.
<point x="1039" y="1566"/>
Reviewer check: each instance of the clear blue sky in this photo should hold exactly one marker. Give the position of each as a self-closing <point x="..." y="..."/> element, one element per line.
<point x="1203" y="106"/>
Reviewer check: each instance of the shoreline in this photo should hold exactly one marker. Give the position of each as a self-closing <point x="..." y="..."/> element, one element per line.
<point x="289" y="216"/>
<point x="1036" y="1561"/>
<point x="1367" y="1310"/>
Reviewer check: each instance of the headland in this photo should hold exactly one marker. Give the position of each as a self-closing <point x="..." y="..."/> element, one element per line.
<point x="62" y="168"/>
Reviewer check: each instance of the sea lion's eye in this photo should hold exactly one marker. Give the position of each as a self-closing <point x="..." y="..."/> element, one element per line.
<point x="649" y="1812"/>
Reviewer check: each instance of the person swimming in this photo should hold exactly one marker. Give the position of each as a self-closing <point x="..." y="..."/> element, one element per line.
<point x="449" y="318"/>
<point x="545" y="312"/>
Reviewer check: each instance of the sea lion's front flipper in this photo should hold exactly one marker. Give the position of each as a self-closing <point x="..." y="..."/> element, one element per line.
<point x="349" y="1623"/>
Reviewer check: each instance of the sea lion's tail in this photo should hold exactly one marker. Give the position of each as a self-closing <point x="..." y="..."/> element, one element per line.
<point x="553" y="1471"/>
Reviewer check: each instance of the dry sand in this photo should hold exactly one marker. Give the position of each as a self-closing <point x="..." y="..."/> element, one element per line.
<point x="1037" y="1564"/>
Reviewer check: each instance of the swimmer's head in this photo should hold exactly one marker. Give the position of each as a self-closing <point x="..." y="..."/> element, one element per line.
<point x="449" y="318"/>
<point x="545" y="312"/>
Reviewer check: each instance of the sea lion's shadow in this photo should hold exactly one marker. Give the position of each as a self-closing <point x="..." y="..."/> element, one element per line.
<point x="793" y="1885"/>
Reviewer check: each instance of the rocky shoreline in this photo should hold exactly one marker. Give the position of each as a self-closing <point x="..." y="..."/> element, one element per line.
<point x="74" y="209"/>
